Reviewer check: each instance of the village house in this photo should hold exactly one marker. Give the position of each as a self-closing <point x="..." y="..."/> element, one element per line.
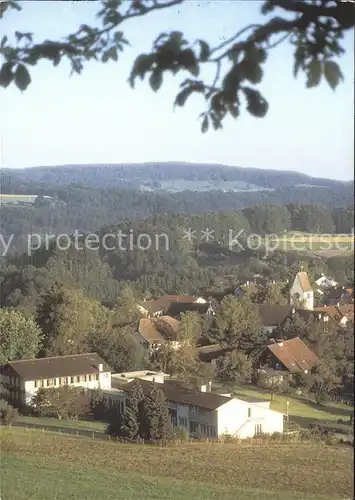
<point x="210" y="353"/>
<point x="283" y="359"/>
<point x="325" y="282"/>
<point x="302" y="292"/>
<point x="339" y="296"/>
<point x="335" y="313"/>
<point x="152" y="333"/>
<point x="203" y="413"/>
<point x="274" y="317"/>
<point x="160" y="306"/>
<point x="20" y="380"/>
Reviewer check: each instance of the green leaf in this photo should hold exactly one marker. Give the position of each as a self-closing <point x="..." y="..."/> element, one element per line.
<point x="251" y="70"/>
<point x="233" y="110"/>
<point x="332" y="74"/>
<point x="109" y="54"/>
<point x="188" y="60"/>
<point x="314" y="73"/>
<point x="6" y="74"/>
<point x="257" y="105"/>
<point x="205" y="124"/>
<point x="22" y="77"/>
<point x="205" y="50"/>
<point x="182" y="96"/>
<point x="231" y="84"/>
<point x="156" y="79"/>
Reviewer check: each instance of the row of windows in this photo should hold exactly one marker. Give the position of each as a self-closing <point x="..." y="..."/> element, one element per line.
<point x="207" y="430"/>
<point x="53" y="382"/>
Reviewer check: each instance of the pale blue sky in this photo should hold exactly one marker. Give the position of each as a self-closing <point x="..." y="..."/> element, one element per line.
<point x="97" y="118"/>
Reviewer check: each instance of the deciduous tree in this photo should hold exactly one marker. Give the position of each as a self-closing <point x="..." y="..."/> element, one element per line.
<point x="314" y="30"/>
<point x="20" y="336"/>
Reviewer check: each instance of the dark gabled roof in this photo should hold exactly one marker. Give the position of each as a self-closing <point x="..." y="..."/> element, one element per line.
<point x="175" y="394"/>
<point x="58" y="366"/>
<point x="177" y="308"/>
<point x="214" y="351"/>
<point x="273" y="314"/>
<point x="294" y="355"/>
<point x="163" y="303"/>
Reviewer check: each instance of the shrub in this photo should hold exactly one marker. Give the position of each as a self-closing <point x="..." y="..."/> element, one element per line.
<point x="180" y="434"/>
<point x="8" y="414"/>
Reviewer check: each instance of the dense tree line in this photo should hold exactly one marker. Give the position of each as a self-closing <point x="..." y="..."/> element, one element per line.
<point x="40" y="179"/>
<point x="88" y="211"/>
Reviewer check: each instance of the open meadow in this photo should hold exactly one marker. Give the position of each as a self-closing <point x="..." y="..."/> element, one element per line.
<point x="38" y="466"/>
<point x="295" y="241"/>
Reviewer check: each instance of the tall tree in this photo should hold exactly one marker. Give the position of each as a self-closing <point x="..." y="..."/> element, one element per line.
<point x="157" y="422"/>
<point x="314" y="29"/>
<point x="67" y="317"/>
<point x="132" y="419"/>
<point x="234" y="367"/>
<point x="20" y="337"/>
<point x="238" y="322"/>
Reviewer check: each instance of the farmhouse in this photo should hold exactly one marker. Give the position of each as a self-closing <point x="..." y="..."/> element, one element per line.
<point x="339" y="296"/>
<point x="203" y="413"/>
<point x="210" y="353"/>
<point x="160" y="306"/>
<point x="20" y="380"/>
<point x="154" y="332"/>
<point x="287" y="357"/>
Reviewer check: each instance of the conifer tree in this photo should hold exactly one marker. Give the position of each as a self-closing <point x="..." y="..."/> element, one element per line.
<point x="157" y="423"/>
<point x="132" y="418"/>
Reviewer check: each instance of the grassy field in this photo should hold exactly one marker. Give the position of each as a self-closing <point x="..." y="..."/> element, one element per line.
<point x="308" y="242"/>
<point x="90" y="425"/>
<point x="38" y="466"/>
<point x="301" y="410"/>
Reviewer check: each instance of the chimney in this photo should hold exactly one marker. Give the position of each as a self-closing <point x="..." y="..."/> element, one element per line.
<point x="101" y="367"/>
<point x="293" y="310"/>
<point x="203" y="388"/>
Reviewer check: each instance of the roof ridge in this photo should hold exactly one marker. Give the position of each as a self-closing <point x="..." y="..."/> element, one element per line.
<point x="51" y="357"/>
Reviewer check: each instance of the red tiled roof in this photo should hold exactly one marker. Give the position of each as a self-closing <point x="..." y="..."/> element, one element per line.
<point x="159" y="330"/>
<point x="304" y="281"/>
<point x="294" y="355"/>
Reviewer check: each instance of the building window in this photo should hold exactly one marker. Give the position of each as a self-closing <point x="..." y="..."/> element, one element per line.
<point x="72" y="380"/>
<point x="54" y="381"/>
<point x="193" y="427"/>
<point x="89" y="378"/>
<point x="182" y="422"/>
<point x="36" y="384"/>
<point x="249" y="412"/>
<point x="96" y="376"/>
<point x="258" y="429"/>
<point x="85" y="378"/>
<point x="42" y="383"/>
<point x="122" y="406"/>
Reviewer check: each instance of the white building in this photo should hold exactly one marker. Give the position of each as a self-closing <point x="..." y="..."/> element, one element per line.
<point x="301" y="291"/>
<point x="208" y="414"/>
<point x="20" y="380"/>
<point x="326" y="282"/>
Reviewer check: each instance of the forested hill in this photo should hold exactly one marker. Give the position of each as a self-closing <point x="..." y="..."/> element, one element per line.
<point x="158" y="176"/>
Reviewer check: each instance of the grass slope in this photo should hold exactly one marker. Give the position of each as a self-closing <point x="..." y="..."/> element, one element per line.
<point x="40" y="466"/>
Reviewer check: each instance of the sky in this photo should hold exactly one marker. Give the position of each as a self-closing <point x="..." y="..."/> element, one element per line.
<point x="97" y="118"/>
